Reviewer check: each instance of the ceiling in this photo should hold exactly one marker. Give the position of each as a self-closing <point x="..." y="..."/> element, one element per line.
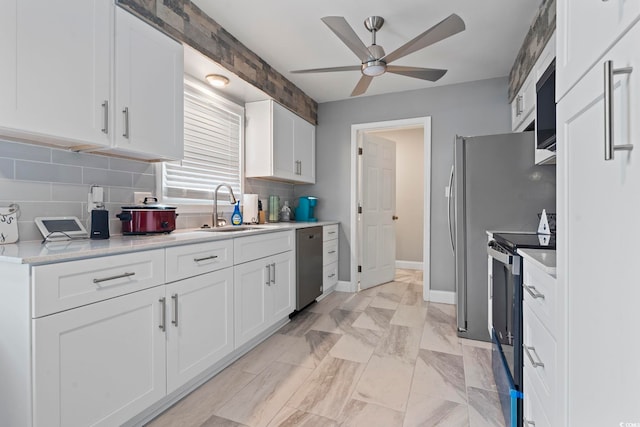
<point x="289" y="35"/>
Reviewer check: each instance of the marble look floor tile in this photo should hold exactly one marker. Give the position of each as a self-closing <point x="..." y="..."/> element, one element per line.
<point x="356" y="302"/>
<point x="411" y="316"/>
<point x="476" y="343"/>
<point x="216" y="421"/>
<point x="300" y="324"/>
<point x="201" y="404"/>
<point x="385" y="300"/>
<point x="356" y="345"/>
<point x="413" y="298"/>
<point x="385" y="381"/>
<point x="433" y="411"/>
<point x="309" y="350"/>
<point x="291" y="417"/>
<point x="395" y="288"/>
<point x="441" y="375"/>
<point x="337" y="321"/>
<point x="265" y="353"/>
<point x="329" y="303"/>
<point x="440" y="337"/>
<point x="260" y="400"/>
<point x="358" y="414"/>
<point x="374" y="318"/>
<point x="477" y="368"/>
<point x="443" y="313"/>
<point x="484" y="408"/>
<point x="401" y="342"/>
<point x="327" y="390"/>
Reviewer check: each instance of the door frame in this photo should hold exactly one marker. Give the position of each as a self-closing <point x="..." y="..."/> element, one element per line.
<point x="356" y="130"/>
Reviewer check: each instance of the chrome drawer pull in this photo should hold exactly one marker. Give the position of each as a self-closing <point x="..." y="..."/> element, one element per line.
<point x="528" y="351"/>
<point x="126" y="122"/>
<point x="609" y="146"/>
<point x="528" y="422"/>
<point x="105" y="118"/>
<point x="163" y="313"/>
<point x="174" y="319"/>
<point x="205" y="258"/>
<point x="331" y="232"/>
<point x="268" y="267"/>
<point x="273" y="271"/>
<point x="119" y="276"/>
<point x="531" y="290"/>
<point x="331" y="252"/>
<point x="332" y="275"/>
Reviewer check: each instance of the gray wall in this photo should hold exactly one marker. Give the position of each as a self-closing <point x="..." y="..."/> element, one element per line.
<point x="475" y="108"/>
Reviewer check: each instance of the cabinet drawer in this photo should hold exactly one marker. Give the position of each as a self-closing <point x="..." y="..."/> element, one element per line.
<point x="330" y="232"/>
<point x="534" y="412"/>
<point x="255" y="247"/>
<point x="329" y="276"/>
<point x="539" y="343"/>
<point x="330" y="252"/>
<point x="539" y="291"/>
<point x="58" y="287"/>
<point x="191" y="260"/>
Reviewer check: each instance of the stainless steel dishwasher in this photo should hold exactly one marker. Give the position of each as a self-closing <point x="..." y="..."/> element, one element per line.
<point x="308" y="266"/>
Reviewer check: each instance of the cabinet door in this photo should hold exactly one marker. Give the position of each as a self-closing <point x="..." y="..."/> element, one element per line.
<point x="282" y="288"/>
<point x="283" y="137"/>
<point x="250" y="289"/>
<point x="304" y="150"/>
<point x="597" y="254"/>
<point x="100" y="364"/>
<point x="586" y="29"/>
<point x="149" y="90"/>
<point x="55" y="71"/>
<point x="199" y="325"/>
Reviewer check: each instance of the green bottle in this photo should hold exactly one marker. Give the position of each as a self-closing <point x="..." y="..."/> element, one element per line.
<point x="236" y="217"/>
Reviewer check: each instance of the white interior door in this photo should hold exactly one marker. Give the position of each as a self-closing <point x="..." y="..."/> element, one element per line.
<point x="378" y="201"/>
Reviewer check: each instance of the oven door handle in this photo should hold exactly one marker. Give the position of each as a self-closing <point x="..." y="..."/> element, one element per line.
<point x="506" y="259"/>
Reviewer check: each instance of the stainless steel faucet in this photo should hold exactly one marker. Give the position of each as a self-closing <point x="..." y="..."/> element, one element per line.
<point x="220" y="222"/>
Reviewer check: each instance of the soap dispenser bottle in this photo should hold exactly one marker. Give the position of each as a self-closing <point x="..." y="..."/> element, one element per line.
<point x="236" y="217"/>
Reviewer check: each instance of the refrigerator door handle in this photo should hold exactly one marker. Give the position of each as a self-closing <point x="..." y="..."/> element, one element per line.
<point x="453" y="246"/>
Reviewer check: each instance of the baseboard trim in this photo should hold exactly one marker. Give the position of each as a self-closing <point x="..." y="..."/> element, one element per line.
<point x="344" y="286"/>
<point x="443" y="297"/>
<point x="410" y="265"/>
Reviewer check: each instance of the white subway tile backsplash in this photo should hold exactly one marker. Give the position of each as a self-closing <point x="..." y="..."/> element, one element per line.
<point x="6" y="169"/>
<point x="143" y="181"/>
<point x="18" y="191"/>
<point x="120" y="195"/>
<point x="79" y="159"/>
<point x="15" y="150"/>
<point x="107" y="177"/>
<point x="69" y="192"/>
<point x="130" y="166"/>
<point x="47" y="172"/>
<point x="31" y="210"/>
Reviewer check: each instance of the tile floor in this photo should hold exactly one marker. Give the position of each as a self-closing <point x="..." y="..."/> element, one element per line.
<point x="382" y="357"/>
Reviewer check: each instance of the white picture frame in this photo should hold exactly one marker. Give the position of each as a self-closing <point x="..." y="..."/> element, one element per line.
<point x="57" y="228"/>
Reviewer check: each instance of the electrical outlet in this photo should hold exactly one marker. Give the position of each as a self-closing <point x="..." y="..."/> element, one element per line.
<point x="139" y="196"/>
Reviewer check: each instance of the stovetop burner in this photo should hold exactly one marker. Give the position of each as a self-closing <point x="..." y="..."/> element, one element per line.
<point x="515" y="241"/>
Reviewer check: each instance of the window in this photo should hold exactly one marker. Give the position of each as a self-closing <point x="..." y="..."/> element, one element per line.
<point x="213" y="133"/>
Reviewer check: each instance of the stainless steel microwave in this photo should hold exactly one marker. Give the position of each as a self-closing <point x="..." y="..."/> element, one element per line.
<point x="546" y="109"/>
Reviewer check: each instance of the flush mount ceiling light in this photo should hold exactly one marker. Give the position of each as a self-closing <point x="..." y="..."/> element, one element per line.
<point x="217" y="80"/>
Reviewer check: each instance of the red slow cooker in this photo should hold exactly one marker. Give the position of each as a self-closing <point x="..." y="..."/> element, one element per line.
<point x="150" y="217"/>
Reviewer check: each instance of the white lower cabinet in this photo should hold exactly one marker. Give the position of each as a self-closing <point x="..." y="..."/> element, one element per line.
<point x="101" y="364"/>
<point x="199" y="325"/>
<point x="264" y="294"/>
<point x="330" y="244"/>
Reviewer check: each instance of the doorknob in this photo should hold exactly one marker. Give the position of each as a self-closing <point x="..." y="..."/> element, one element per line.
<point x="395" y="218"/>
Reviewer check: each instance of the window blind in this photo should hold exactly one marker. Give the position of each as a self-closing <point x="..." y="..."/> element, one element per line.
<point x="212" y="141"/>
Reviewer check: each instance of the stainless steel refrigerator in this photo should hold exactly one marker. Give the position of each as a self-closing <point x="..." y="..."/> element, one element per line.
<point x="494" y="185"/>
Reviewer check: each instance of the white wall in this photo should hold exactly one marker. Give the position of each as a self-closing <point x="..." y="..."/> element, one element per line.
<point x="475" y="108"/>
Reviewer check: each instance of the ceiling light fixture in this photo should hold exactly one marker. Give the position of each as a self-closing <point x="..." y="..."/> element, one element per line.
<point x="217" y="80"/>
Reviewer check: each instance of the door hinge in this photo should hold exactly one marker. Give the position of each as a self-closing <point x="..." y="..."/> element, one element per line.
<point x="359" y="269"/>
<point x="360" y="151"/>
<point x="359" y="209"/>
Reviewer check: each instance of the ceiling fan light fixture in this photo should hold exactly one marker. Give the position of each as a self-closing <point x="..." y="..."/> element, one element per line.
<point x="374" y="68"/>
<point x="217" y="80"/>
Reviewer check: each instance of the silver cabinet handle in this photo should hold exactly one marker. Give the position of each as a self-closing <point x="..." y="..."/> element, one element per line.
<point x="519" y="108"/>
<point x="531" y="290"/>
<point x="105" y="117"/>
<point x="526" y="421"/>
<point x="126" y="122"/>
<point x="331" y="232"/>
<point x="528" y="350"/>
<point x="119" y="276"/>
<point x="174" y="315"/>
<point x="163" y="313"/>
<point x="273" y="273"/>
<point x="331" y="252"/>
<point x="332" y="275"/>
<point x="205" y="258"/>
<point x="268" y="282"/>
<point x="609" y="146"/>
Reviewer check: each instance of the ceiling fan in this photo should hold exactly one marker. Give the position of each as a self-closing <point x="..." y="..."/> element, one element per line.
<point x="374" y="61"/>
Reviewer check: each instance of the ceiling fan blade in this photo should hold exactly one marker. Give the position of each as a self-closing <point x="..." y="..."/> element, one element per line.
<point x="449" y="26"/>
<point x="362" y="86"/>
<point x="431" y="74"/>
<point x="329" y="69"/>
<point x="343" y="30"/>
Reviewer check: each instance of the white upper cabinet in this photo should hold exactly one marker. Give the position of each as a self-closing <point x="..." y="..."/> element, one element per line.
<point x="523" y="105"/>
<point x="149" y="93"/>
<point x="61" y="84"/>
<point x="279" y="144"/>
<point x="55" y="77"/>
<point x="586" y="29"/>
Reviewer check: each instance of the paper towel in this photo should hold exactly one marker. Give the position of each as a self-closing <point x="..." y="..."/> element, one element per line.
<point x="250" y="208"/>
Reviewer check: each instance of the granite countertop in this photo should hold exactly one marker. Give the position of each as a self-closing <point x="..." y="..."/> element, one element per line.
<point x="544" y="259"/>
<point x="35" y="252"/>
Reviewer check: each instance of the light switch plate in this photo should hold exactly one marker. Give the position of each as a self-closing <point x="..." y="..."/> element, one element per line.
<point x="138" y="196"/>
